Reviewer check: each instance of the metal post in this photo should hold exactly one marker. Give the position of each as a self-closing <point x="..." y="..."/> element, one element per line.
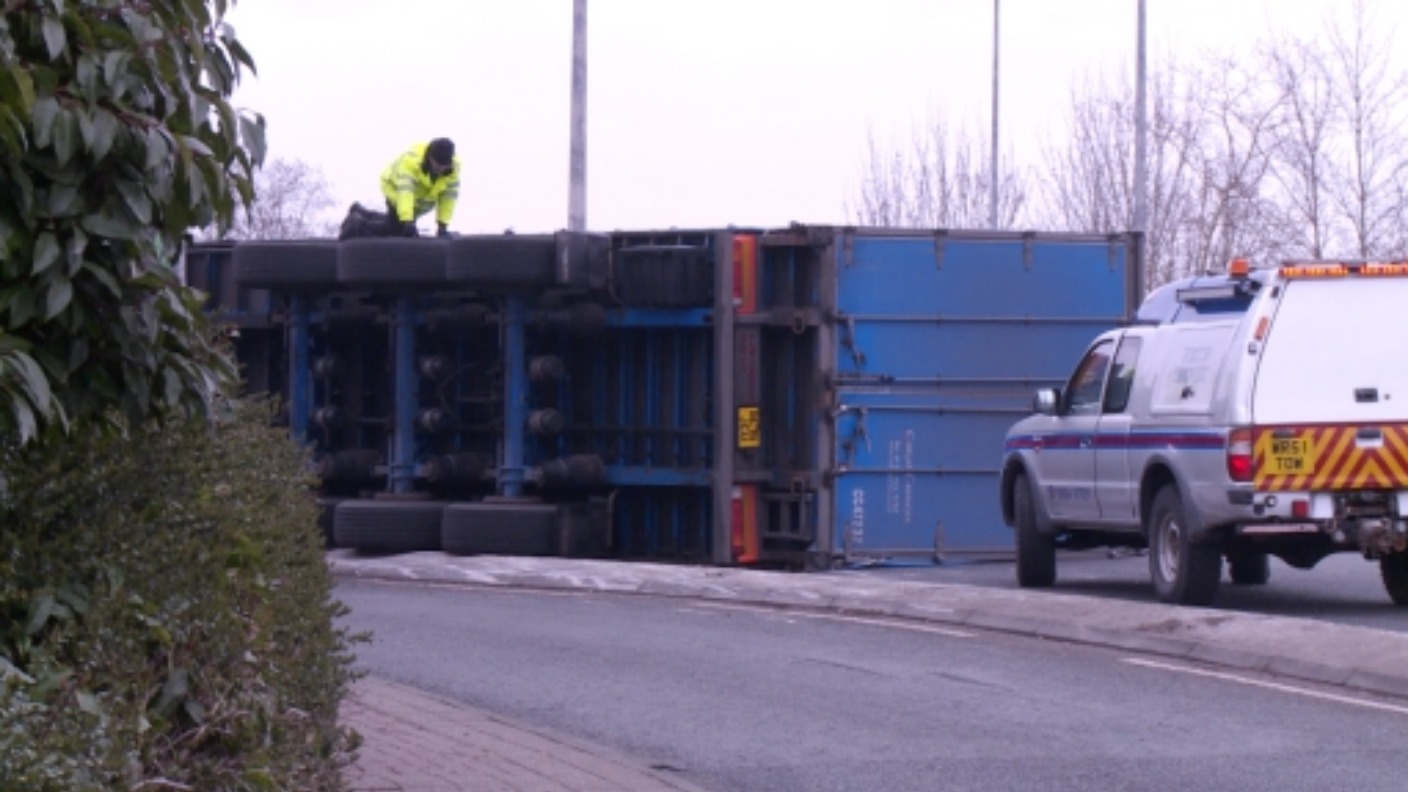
<point x="992" y="177"/>
<point x="577" y="167"/>
<point x="511" y="470"/>
<point x="1141" y="134"/>
<point x="723" y="416"/>
<point x="402" y="470"/>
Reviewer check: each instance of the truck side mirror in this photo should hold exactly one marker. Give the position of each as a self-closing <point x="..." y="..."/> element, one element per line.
<point x="1046" y="401"/>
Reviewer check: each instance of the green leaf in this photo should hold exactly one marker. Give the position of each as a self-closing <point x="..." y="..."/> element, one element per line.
<point x="60" y="295"/>
<point x="105" y="278"/>
<point x="20" y="88"/>
<point x="105" y="225"/>
<point x="252" y="136"/>
<point x="54" y="37"/>
<point x="88" y="702"/>
<point x="86" y="75"/>
<point x="65" y="137"/>
<point x="62" y="199"/>
<point x="46" y="252"/>
<point x="22" y="307"/>
<point x="45" y="109"/>
<point x="173" y="693"/>
<point x="44" y="608"/>
<point x="114" y="69"/>
<point x="136" y="200"/>
<point x="77" y="245"/>
<point x="105" y="127"/>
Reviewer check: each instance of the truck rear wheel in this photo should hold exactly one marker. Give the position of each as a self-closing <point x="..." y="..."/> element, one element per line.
<point x="1184" y="571"/>
<point x="1249" y="569"/>
<point x="1036" y="554"/>
<point x="522" y="529"/>
<point x="390" y="526"/>
<point x="284" y="264"/>
<point x="1394" y="569"/>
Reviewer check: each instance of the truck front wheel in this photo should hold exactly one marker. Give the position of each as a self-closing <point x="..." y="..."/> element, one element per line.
<point x="1184" y="571"/>
<point x="1036" y="554"/>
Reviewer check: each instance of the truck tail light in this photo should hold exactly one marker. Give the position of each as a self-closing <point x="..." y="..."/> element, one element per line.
<point x="1239" y="455"/>
<point x="745" y="274"/>
<point x="743" y="524"/>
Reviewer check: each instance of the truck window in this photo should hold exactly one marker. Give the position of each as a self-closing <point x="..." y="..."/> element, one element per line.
<point x="1083" y="393"/>
<point x="1122" y="377"/>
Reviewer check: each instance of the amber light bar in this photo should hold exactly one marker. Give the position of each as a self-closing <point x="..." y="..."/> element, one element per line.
<point x="1314" y="271"/>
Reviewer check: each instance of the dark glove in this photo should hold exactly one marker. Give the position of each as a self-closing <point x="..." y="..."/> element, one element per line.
<point x="442" y="231"/>
<point x="408" y="228"/>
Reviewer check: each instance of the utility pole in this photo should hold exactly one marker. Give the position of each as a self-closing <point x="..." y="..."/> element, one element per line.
<point x="577" y="166"/>
<point x="992" y="177"/>
<point x="1141" y="133"/>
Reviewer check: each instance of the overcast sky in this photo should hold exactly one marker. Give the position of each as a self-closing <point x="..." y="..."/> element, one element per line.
<point x="700" y="114"/>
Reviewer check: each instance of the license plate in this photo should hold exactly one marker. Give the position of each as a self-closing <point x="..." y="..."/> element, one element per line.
<point x="750" y="427"/>
<point x="1290" y="456"/>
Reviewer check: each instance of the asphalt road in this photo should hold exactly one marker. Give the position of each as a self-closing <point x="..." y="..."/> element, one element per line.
<point x="737" y="697"/>
<point x="1343" y="589"/>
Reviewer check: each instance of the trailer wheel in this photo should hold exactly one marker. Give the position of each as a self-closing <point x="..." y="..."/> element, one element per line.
<point x="1394" y="570"/>
<point x="1184" y="571"/>
<point x="392" y="262"/>
<point x="326" y="508"/>
<point x="1249" y="569"/>
<point x="507" y="260"/>
<point x="663" y="276"/>
<point x="284" y="264"/>
<point x="1036" y="554"/>
<point x="524" y="529"/>
<point x="388" y="526"/>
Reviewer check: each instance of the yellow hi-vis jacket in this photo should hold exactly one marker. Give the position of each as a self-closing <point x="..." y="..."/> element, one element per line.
<point x="413" y="192"/>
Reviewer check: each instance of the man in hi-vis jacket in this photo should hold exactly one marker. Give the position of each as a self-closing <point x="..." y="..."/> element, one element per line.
<point x="425" y="177"/>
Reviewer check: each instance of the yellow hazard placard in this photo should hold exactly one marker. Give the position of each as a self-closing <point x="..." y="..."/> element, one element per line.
<point x="750" y="427"/>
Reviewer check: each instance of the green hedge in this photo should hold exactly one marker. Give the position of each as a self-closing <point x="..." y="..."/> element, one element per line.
<point x="166" y="618"/>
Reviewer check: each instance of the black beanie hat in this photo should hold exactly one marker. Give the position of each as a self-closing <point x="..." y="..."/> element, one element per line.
<point x="441" y="150"/>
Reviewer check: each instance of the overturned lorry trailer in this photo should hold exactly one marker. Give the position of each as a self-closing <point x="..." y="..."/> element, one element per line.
<point x="803" y="396"/>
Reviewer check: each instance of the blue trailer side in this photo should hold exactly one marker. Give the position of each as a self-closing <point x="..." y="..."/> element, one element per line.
<point x="800" y="397"/>
<point x="939" y="339"/>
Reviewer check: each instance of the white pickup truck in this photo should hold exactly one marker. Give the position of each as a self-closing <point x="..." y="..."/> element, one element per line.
<point x="1261" y="412"/>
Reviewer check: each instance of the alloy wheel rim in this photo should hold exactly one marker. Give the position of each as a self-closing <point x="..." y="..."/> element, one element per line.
<point x="1169" y="547"/>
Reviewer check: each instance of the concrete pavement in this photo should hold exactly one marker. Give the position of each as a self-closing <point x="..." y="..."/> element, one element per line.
<point x="406" y="732"/>
<point x="417" y="742"/>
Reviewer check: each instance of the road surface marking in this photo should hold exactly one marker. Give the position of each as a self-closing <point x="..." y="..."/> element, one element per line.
<point x="1299" y="691"/>
<point x="873" y="622"/>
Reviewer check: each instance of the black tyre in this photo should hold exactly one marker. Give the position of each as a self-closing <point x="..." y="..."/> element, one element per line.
<point x="523" y="529"/>
<point x="388" y="526"/>
<point x="396" y="263"/>
<point x="502" y="261"/>
<point x="663" y="276"/>
<point x="1394" y="570"/>
<point x="285" y="265"/>
<point x="1249" y="569"/>
<point x="1184" y="571"/>
<point x="1036" y="553"/>
<point x="326" y="509"/>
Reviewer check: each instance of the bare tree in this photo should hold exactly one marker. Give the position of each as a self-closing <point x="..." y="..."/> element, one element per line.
<point x="1302" y="138"/>
<point x="1370" y="178"/>
<point x="1231" y="214"/>
<point x="941" y="181"/>
<point x="291" y="200"/>
<point x="1300" y="152"/>
<point x="1088" y="184"/>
